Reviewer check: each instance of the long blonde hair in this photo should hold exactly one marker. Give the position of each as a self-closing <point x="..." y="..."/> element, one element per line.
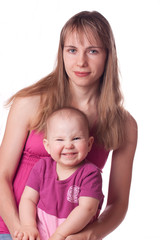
<point x="54" y="88"/>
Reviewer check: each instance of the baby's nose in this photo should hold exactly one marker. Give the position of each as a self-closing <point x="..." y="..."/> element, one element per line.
<point x="69" y="144"/>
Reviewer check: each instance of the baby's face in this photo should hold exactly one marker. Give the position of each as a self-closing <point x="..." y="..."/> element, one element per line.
<point x="68" y="141"/>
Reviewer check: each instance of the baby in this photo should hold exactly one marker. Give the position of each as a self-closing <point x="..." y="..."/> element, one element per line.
<point x="63" y="192"/>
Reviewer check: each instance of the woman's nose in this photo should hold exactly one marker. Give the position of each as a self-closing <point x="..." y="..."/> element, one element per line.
<point x="82" y="60"/>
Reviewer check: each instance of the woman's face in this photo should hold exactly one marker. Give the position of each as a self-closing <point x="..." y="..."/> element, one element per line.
<point x="84" y="59"/>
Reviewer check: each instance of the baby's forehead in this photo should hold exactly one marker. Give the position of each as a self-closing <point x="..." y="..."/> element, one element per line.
<point x="67" y="116"/>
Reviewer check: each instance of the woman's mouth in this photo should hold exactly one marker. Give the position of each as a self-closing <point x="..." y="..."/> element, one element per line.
<point x="81" y="74"/>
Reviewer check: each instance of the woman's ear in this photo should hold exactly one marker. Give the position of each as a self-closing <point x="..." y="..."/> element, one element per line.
<point x="46" y="145"/>
<point x="90" y="143"/>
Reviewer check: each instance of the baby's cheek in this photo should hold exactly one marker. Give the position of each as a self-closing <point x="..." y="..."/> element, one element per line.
<point x="83" y="150"/>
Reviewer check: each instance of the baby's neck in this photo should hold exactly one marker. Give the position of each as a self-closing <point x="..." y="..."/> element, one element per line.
<point x="64" y="172"/>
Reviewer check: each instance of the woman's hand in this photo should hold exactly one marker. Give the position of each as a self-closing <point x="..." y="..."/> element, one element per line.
<point x="57" y="236"/>
<point x="86" y="234"/>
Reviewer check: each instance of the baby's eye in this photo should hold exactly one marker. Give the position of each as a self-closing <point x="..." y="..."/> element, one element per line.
<point x="59" y="139"/>
<point x="76" y="138"/>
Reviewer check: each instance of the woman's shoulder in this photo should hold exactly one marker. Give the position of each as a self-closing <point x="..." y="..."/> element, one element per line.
<point x="28" y="101"/>
<point x="25" y="107"/>
<point x="131" y="127"/>
<point x="131" y="124"/>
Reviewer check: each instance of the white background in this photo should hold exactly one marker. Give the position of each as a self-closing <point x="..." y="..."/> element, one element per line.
<point x="29" y="34"/>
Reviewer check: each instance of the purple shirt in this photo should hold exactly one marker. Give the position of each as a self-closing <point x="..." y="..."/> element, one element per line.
<point x="33" y="151"/>
<point x="59" y="197"/>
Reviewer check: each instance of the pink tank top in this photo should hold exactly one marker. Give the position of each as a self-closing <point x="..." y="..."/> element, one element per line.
<point x="33" y="151"/>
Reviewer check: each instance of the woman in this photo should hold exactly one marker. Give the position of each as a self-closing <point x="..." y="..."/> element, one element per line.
<point x="86" y="77"/>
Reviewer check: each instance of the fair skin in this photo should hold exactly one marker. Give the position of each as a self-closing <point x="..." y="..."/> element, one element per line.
<point x="83" y="97"/>
<point x="84" y="63"/>
<point x="68" y="142"/>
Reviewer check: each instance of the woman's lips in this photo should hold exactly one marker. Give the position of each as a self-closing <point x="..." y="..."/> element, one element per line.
<point x="82" y="74"/>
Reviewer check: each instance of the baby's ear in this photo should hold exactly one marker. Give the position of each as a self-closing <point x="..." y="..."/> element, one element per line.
<point x="46" y="145"/>
<point x="90" y="143"/>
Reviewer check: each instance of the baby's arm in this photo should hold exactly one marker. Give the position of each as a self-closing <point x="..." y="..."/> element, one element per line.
<point x="27" y="214"/>
<point x="78" y="218"/>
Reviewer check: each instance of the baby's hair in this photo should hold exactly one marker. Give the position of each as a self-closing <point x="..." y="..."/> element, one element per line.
<point x="68" y="112"/>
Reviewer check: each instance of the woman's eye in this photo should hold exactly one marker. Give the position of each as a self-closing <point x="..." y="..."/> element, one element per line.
<point x="72" y="50"/>
<point x="59" y="139"/>
<point x="93" y="51"/>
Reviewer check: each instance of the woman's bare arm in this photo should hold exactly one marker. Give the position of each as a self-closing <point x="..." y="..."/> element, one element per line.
<point x="17" y="128"/>
<point x="119" y="188"/>
<point x="27" y="215"/>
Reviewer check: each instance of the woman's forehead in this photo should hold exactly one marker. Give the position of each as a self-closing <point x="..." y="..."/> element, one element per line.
<point x="82" y="36"/>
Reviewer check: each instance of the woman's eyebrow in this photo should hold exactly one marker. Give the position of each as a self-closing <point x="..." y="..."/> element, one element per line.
<point x="89" y="47"/>
<point x="94" y="47"/>
<point x="70" y="46"/>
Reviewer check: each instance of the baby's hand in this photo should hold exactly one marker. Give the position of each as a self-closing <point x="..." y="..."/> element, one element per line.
<point x="27" y="233"/>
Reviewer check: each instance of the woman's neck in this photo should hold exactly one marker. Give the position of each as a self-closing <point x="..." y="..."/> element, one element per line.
<point x="83" y="98"/>
<point x="86" y="100"/>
